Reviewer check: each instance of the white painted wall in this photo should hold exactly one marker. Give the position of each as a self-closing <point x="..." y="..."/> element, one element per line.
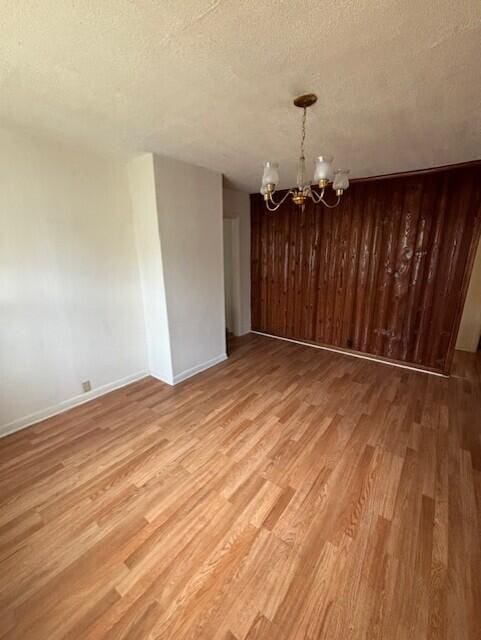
<point x="189" y="205"/>
<point x="470" y="327"/>
<point x="236" y="208"/>
<point x="144" y="212"/>
<point x="70" y="298"/>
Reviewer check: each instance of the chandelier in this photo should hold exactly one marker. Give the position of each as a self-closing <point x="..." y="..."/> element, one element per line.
<point x="324" y="175"/>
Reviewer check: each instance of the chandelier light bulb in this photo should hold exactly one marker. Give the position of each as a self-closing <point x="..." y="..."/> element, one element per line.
<point x="341" y="181"/>
<point x="323" y="169"/>
<point x="271" y="174"/>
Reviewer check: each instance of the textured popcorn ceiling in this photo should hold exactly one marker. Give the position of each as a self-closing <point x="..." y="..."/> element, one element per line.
<point x="211" y="81"/>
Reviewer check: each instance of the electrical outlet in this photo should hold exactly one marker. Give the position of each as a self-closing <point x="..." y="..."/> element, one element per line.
<point x="86" y="386"/>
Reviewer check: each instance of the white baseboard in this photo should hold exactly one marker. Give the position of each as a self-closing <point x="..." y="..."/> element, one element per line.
<point x="160" y="378"/>
<point x="188" y="373"/>
<point x="53" y="410"/>
<point x="244" y="332"/>
<point x="352" y="355"/>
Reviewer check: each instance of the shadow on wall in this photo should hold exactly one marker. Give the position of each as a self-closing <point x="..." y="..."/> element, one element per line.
<point x="237" y="261"/>
<point x="469" y="334"/>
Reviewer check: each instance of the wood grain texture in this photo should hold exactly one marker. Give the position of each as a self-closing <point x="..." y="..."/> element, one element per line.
<point x="385" y="273"/>
<point x="288" y="493"/>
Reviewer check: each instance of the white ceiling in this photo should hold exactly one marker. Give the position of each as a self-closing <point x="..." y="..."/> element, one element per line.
<point x="211" y="81"/>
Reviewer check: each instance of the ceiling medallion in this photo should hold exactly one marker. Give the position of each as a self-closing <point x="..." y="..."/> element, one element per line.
<point x="324" y="175"/>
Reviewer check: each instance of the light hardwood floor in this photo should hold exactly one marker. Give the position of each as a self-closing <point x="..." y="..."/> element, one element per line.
<point x="288" y="493"/>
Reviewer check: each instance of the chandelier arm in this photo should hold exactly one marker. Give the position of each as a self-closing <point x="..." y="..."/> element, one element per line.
<point x="331" y="206"/>
<point x="317" y="197"/>
<point x="274" y="208"/>
<point x="277" y="204"/>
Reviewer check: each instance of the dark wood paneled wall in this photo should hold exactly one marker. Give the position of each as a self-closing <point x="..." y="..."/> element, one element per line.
<point x="385" y="273"/>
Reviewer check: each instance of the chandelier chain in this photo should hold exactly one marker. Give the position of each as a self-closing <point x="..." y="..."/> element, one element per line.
<point x="303" y="136"/>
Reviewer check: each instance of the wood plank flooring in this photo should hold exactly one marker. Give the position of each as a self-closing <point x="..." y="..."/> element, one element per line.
<point x="286" y="494"/>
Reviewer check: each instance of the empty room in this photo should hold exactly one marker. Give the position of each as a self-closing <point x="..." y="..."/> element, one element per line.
<point x="240" y="320"/>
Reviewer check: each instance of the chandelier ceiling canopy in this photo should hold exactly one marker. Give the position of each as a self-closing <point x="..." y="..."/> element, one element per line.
<point x="324" y="174"/>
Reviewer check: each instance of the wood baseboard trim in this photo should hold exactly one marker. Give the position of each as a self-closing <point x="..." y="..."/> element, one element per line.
<point x="353" y="355"/>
